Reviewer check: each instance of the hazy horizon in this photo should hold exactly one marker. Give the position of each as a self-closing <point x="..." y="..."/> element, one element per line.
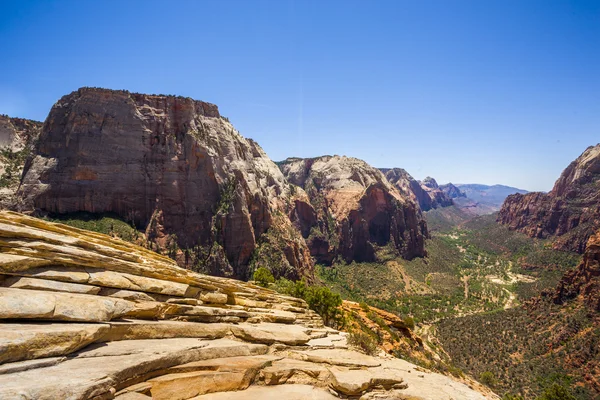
<point x="498" y="92"/>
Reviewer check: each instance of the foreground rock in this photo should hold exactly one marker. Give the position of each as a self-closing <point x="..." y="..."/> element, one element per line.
<point x="86" y="316"/>
<point x="570" y="213"/>
<point x="172" y="166"/>
<point x="356" y="209"/>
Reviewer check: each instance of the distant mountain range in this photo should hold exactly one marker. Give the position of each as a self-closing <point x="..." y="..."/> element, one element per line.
<point x="479" y="199"/>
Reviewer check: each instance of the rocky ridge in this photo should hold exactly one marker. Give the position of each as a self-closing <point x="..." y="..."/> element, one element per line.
<point x="173" y="167"/>
<point x="17" y="139"/>
<point x="452" y="191"/>
<point x="570" y="213"/>
<point x="87" y="316"/>
<point x="427" y="194"/>
<point x="354" y="209"/>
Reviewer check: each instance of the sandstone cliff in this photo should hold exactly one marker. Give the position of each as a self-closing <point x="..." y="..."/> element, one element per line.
<point x="355" y="210"/>
<point x="427" y="193"/>
<point x="87" y="316"/>
<point x="17" y="139"/>
<point x="570" y="212"/>
<point x="173" y="167"/>
<point x="584" y="281"/>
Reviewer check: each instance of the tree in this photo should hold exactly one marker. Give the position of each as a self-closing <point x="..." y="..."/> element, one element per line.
<point x="262" y="276"/>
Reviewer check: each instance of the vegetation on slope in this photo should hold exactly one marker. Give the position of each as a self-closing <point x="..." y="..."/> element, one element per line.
<point x="527" y="350"/>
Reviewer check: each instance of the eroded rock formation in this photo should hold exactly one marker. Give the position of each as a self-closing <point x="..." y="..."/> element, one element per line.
<point x="570" y="212"/>
<point x="173" y="167"/>
<point x="87" y="316"/>
<point x="17" y="138"/>
<point x="357" y="209"/>
<point x="583" y="282"/>
<point x="426" y="193"/>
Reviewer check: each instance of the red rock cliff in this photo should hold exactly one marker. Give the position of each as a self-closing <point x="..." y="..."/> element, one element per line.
<point x="570" y="212"/>
<point x="171" y="165"/>
<point x="356" y="209"/>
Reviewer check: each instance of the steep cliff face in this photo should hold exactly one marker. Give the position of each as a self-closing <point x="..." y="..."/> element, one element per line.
<point x="173" y="167"/>
<point x="438" y="196"/>
<point x="356" y="209"/>
<point x="571" y="211"/>
<point x="427" y="193"/>
<point x="584" y="281"/>
<point x="17" y="138"/>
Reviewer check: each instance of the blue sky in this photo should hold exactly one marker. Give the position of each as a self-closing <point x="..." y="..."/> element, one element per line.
<point x="465" y="91"/>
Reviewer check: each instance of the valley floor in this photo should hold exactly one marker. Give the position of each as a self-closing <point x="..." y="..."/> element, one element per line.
<point x="470" y="298"/>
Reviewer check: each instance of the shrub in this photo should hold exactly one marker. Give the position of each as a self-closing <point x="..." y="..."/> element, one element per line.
<point x="409" y="322"/>
<point x="488" y="379"/>
<point x="262" y="276"/>
<point x="319" y="298"/>
<point x="363" y="341"/>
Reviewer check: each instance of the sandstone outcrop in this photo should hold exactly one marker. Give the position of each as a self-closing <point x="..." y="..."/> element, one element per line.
<point x="17" y="139"/>
<point x="583" y="282"/>
<point x="173" y="167"/>
<point x="356" y="209"/>
<point x="87" y="316"/>
<point x="426" y="193"/>
<point x="570" y="213"/>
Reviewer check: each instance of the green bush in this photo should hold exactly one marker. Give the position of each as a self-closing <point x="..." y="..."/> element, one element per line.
<point x="556" y="392"/>
<point x="488" y="379"/>
<point x="409" y="322"/>
<point x="319" y="298"/>
<point x="363" y="341"/>
<point x="262" y="276"/>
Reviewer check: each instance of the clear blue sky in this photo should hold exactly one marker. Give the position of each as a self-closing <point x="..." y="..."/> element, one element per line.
<point x="465" y="91"/>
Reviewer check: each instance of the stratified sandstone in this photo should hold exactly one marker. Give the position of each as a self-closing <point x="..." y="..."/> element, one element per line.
<point x="17" y="138"/>
<point x="87" y="316"/>
<point x="356" y="209"/>
<point x="172" y="166"/>
<point x="570" y="212"/>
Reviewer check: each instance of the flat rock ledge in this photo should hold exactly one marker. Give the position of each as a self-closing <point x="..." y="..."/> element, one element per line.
<point x="87" y="316"/>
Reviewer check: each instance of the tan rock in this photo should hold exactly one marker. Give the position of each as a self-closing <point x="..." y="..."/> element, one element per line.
<point x="270" y="333"/>
<point x="189" y="384"/>
<point x="213" y="298"/>
<point x="340" y="357"/>
<point x="287" y="392"/>
<point x="29" y="304"/>
<point x="132" y="329"/>
<point x="43" y="284"/>
<point x="35" y="340"/>
<point x="295" y="371"/>
<point x="16" y="303"/>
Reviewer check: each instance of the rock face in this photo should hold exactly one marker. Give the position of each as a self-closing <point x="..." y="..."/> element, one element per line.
<point x="173" y="167"/>
<point x="87" y="316"/>
<point x="452" y="191"/>
<point x="356" y="209"/>
<point x="570" y="212"/>
<point x="584" y="281"/>
<point x="427" y="193"/>
<point x="17" y="139"/>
